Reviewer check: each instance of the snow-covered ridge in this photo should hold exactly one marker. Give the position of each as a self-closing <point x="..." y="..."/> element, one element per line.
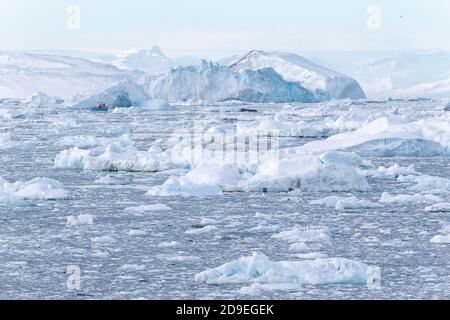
<point x="23" y="74"/>
<point x="311" y="76"/>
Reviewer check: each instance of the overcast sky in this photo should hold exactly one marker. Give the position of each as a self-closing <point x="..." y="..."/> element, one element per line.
<point x="214" y="27"/>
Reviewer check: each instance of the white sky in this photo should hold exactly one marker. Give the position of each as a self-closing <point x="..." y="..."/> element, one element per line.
<point x="212" y="28"/>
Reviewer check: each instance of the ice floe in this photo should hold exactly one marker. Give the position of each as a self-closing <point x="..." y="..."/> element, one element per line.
<point x="258" y="268"/>
<point x="409" y="198"/>
<point x="80" y="219"/>
<point x="149" y="207"/>
<point x="341" y="203"/>
<point x="35" y="189"/>
<point x="439" y="207"/>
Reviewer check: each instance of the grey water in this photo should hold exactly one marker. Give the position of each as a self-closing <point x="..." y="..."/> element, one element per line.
<point x="37" y="247"/>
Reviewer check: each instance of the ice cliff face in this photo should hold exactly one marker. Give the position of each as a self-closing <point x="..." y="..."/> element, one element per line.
<point x="211" y="82"/>
<point x="319" y="80"/>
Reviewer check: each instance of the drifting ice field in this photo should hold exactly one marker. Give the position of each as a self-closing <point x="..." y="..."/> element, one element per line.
<point x="313" y="242"/>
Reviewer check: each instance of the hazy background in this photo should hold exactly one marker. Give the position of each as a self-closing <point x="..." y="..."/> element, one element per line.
<point x="215" y="28"/>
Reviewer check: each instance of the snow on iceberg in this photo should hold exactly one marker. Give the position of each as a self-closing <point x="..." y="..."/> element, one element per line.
<point x="259" y="269"/>
<point x="322" y="81"/>
<point x="216" y="83"/>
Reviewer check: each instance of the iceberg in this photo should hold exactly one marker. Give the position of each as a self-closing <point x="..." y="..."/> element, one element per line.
<point x="390" y="136"/>
<point x="323" y="82"/>
<point x="259" y="269"/>
<point x="214" y="83"/>
<point x="36" y="189"/>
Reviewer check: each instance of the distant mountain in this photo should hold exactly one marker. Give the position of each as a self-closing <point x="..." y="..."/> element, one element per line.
<point x="384" y="74"/>
<point x="152" y="61"/>
<point x="408" y="72"/>
<point x="22" y="74"/>
<point x="294" y="68"/>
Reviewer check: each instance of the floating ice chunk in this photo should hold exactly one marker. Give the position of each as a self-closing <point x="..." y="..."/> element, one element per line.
<point x="409" y="198"/>
<point x="329" y="201"/>
<point x="205" y="229"/>
<point x="311" y="255"/>
<point x="281" y="125"/>
<point x="150" y="207"/>
<point x="73" y="158"/>
<point x="355" y="203"/>
<point x="120" y="155"/>
<point x="208" y="221"/>
<point x="105" y="180"/>
<point x="441" y="239"/>
<point x="37" y="189"/>
<point x="182" y="186"/>
<point x="132" y="267"/>
<point x="393" y="171"/>
<point x="7" y="142"/>
<point x="12" y="200"/>
<point x="114" y="130"/>
<point x="103" y="239"/>
<point x="344" y="158"/>
<point x="136" y="232"/>
<point x="80" y="219"/>
<point x="157" y="104"/>
<point x="298" y="246"/>
<point x="168" y="244"/>
<point x="341" y="203"/>
<point x="308" y="234"/>
<point x="439" y="207"/>
<point x="178" y="258"/>
<point x="428" y="184"/>
<point x="259" y="269"/>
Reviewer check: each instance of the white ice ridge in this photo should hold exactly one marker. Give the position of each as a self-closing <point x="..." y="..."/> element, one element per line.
<point x="259" y="269"/>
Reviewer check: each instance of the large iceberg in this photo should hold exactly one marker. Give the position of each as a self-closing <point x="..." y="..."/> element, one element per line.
<point x="259" y="269"/>
<point x="211" y="82"/>
<point x="319" y="80"/>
